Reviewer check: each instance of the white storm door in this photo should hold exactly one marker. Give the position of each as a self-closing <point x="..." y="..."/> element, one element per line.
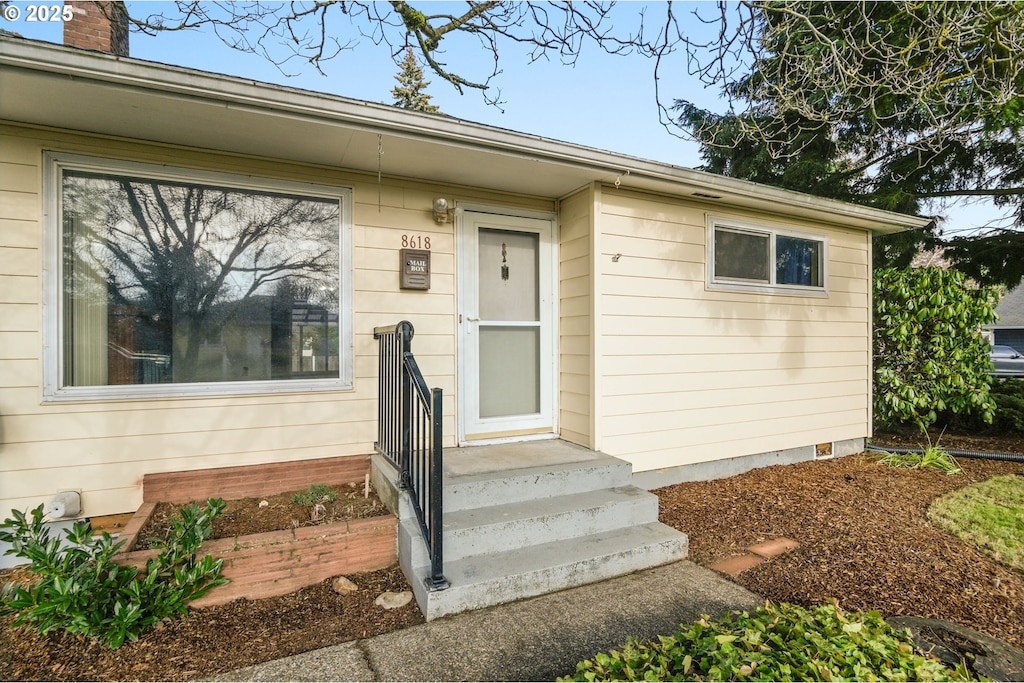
<point x="506" y="326"/>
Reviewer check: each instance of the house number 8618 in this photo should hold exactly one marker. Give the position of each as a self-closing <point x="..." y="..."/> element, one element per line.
<point x="415" y="242"/>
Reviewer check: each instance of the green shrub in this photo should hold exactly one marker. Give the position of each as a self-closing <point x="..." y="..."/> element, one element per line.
<point x="930" y="357"/>
<point x="316" y="493"/>
<point x="82" y="590"/>
<point x="1007" y="395"/>
<point x="932" y="457"/>
<point x="778" y="642"/>
<point x="1009" y="399"/>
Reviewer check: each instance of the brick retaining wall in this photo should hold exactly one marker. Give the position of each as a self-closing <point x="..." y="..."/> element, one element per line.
<point x="276" y="562"/>
<point x="280" y="562"/>
<point x="252" y="480"/>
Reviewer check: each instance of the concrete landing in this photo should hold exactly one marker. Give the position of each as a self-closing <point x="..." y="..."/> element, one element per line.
<point x="509" y="456"/>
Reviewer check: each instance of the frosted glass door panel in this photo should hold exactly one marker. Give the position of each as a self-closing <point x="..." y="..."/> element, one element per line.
<point x="508" y="275"/>
<point x="509" y="371"/>
<point x="506" y="326"/>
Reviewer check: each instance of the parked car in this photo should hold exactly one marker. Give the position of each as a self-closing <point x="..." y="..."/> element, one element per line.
<point x="1008" y="361"/>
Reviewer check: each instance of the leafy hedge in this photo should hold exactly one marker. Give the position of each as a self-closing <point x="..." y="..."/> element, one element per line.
<point x="81" y="589"/>
<point x="778" y="642"/>
<point x="930" y="357"/>
<point x="1007" y="395"/>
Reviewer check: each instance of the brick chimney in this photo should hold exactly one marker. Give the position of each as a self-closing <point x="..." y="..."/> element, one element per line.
<point x="99" y="26"/>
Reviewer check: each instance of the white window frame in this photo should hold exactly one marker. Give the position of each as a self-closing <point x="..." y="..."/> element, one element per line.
<point x="55" y="163"/>
<point x="771" y="287"/>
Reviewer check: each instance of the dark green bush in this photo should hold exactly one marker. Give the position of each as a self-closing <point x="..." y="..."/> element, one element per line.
<point x="1007" y="396"/>
<point x="82" y="590"/>
<point x="929" y="355"/>
<point x="778" y="642"/>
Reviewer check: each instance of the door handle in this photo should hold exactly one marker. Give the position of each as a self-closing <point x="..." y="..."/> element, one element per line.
<point x="472" y="320"/>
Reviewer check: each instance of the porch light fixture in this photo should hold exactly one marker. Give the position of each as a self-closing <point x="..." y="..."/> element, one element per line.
<point x="441" y="210"/>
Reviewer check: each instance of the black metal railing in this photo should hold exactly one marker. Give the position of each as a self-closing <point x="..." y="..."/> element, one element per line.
<point x="409" y="435"/>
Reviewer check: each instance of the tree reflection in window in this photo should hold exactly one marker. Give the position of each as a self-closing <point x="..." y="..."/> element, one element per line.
<point x="167" y="281"/>
<point x="797" y="261"/>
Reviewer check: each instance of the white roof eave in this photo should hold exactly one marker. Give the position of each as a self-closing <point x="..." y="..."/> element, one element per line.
<point x="150" y="101"/>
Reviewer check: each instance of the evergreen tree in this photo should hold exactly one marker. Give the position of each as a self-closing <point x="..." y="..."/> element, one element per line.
<point x="410" y="93"/>
<point x="900" y="105"/>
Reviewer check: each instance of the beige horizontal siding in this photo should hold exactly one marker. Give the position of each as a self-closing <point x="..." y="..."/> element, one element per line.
<point x="731" y="447"/>
<point x="19" y="261"/>
<point x="20" y="206"/>
<point x="680" y="308"/>
<point x="105" y="447"/>
<point x="18" y="288"/>
<point x="19" y="345"/>
<point x="757" y="330"/>
<point x="18" y="234"/>
<point x="101" y="433"/>
<point x="733" y="380"/>
<point x="668" y="289"/>
<point x="712" y="345"/>
<point x="690" y="374"/>
<point x="574" y="329"/>
<point x="646" y="428"/>
<point x="686" y="399"/>
<point x="715" y="439"/>
<point x="19" y="177"/>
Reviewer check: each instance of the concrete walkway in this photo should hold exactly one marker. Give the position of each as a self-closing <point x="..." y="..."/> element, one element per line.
<point x="532" y="640"/>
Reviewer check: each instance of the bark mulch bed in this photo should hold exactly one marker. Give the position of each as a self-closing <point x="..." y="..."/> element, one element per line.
<point x="215" y="639"/>
<point x="864" y="540"/>
<point x="864" y="537"/>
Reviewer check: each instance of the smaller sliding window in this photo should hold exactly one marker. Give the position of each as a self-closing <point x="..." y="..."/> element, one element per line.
<point x="747" y="257"/>
<point x="742" y="255"/>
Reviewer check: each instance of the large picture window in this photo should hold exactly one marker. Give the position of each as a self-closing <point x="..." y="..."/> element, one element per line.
<point x="174" y="282"/>
<point x="754" y="257"/>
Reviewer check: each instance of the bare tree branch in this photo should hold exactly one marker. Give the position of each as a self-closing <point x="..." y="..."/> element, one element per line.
<point x="316" y="32"/>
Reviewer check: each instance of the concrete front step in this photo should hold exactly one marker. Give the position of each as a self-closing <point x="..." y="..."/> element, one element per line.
<point x="522" y="524"/>
<point x="469" y="491"/>
<point x="496" y="578"/>
<point x="497" y="528"/>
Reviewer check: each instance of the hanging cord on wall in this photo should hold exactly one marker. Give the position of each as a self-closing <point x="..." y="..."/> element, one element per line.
<point x="380" y="153"/>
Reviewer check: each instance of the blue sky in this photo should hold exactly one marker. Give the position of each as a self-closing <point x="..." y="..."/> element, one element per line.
<point x="603" y="101"/>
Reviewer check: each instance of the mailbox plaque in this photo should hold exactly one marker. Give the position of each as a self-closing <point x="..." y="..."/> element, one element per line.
<point x="415" y="273"/>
